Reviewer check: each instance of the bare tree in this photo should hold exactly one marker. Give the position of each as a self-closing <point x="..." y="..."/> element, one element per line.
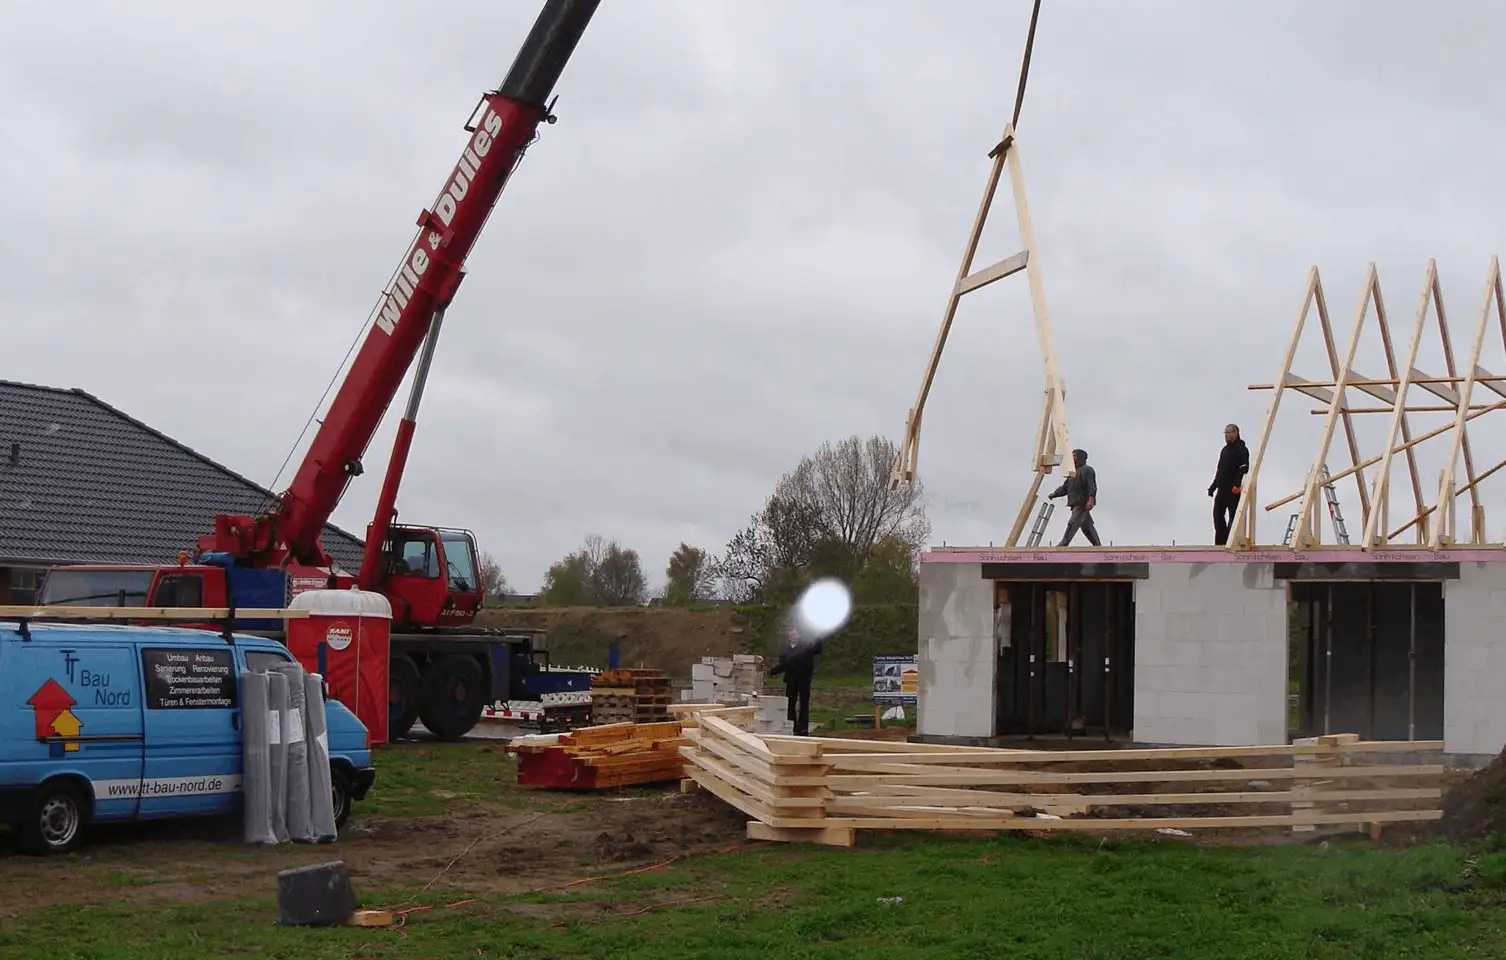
<point x="493" y="582"/>
<point x="844" y="487"/>
<point x="827" y="516"/>
<point x="574" y="580"/>
<point x="593" y="549"/>
<point x="782" y="546"/>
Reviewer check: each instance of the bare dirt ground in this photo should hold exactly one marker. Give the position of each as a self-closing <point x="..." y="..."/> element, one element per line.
<point x="1477" y="806"/>
<point x="479" y="850"/>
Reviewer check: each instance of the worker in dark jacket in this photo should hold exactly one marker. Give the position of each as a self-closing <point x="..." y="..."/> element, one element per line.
<point x="797" y="661"/>
<point x="1233" y="464"/>
<point x="1081" y="491"/>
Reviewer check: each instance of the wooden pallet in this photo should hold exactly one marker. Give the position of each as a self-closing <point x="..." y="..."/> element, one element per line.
<point x="601" y="757"/>
<point x="640" y="696"/>
<point x="823" y="790"/>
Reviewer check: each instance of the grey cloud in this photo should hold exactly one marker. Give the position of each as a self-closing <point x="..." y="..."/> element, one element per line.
<point x="738" y="240"/>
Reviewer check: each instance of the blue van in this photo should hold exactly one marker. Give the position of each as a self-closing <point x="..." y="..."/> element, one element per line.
<point x="104" y="722"/>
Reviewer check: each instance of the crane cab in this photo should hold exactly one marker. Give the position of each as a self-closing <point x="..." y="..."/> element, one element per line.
<point x="432" y="575"/>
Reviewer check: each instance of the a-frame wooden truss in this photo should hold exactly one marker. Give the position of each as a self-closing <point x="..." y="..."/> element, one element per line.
<point x="1434" y="523"/>
<point x="1052" y="446"/>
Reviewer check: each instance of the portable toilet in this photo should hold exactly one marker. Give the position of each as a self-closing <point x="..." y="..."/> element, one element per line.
<point x="345" y="639"/>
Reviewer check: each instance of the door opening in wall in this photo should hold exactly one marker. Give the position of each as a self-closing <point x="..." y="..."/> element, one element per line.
<point x="1065" y="658"/>
<point x="1366" y="657"/>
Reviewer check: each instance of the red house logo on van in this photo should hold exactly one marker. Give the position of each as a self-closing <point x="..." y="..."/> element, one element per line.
<point x="52" y="707"/>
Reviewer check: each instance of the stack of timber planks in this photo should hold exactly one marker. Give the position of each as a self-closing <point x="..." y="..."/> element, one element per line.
<point x="630" y="696"/>
<point x="823" y="790"/>
<point x="599" y="758"/>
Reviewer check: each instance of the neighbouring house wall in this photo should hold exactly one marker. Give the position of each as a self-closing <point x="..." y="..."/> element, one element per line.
<point x="956" y="659"/>
<point x="1210" y="655"/>
<point x="1474" y="660"/>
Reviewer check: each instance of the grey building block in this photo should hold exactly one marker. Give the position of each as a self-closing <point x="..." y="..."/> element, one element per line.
<point x="1474" y="666"/>
<point x="1210" y="651"/>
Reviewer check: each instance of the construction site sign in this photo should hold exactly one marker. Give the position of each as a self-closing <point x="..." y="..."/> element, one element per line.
<point x="896" y="681"/>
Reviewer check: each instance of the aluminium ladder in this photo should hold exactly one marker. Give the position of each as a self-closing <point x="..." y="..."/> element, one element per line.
<point x="1038" y="529"/>
<point x="1335" y="513"/>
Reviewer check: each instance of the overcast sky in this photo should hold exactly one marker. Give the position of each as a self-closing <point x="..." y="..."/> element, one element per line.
<point x="738" y="240"/>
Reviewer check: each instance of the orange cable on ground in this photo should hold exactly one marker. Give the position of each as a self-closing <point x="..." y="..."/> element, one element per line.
<point x="472" y="844"/>
<point x="628" y="873"/>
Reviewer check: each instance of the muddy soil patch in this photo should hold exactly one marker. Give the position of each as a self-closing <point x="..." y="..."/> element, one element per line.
<point x="1476" y="808"/>
<point x="470" y="852"/>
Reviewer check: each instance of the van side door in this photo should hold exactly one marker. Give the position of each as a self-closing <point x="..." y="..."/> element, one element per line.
<point x="192" y="763"/>
<point x="72" y="709"/>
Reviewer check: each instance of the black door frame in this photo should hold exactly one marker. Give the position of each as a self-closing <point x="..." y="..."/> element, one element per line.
<point x="1316" y="597"/>
<point x="1024" y="668"/>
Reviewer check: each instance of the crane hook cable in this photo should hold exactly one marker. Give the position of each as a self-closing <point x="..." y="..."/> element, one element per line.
<point x="1019" y="96"/>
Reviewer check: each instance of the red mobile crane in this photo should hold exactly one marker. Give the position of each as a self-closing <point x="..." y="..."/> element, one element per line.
<point x="439" y="670"/>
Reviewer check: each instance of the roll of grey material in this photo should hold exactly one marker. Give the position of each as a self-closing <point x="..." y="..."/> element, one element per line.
<point x="277" y="708"/>
<point x="255" y="763"/>
<point x="321" y="798"/>
<point x="299" y="828"/>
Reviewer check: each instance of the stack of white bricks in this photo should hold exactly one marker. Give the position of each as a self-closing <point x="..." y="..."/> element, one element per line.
<point x="729" y="680"/>
<point x="773" y="715"/>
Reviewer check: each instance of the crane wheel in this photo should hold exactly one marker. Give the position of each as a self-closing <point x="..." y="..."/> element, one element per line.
<point x="404" y="692"/>
<point x="453" y="697"/>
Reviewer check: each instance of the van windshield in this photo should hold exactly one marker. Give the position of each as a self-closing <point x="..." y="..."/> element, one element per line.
<point x="95" y="588"/>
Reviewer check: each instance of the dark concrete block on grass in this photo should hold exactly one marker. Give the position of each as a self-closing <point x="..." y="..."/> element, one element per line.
<point x="315" y="896"/>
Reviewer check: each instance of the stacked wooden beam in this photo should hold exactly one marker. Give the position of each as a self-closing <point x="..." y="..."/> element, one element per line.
<point x="630" y="696"/>
<point x="598" y="758"/>
<point x="824" y="789"/>
<point x="688" y="714"/>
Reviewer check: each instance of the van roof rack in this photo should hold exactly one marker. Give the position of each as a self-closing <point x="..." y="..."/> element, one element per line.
<point x="225" y="616"/>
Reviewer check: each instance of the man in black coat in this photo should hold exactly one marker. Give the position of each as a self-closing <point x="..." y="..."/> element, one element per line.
<point x="1081" y="491"/>
<point x="797" y="661"/>
<point x="1233" y="464"/>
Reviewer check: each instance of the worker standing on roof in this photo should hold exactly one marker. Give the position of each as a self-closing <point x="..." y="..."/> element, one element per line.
<point x="1228" y="480"/>
<point x="797" y="661"/>
<point x="1081" y="491"/>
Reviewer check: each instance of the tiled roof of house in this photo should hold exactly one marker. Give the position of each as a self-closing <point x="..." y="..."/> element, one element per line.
<point x="82" y="482"/>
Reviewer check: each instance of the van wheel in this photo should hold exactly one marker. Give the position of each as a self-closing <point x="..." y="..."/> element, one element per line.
<point x="340" y="790"/>
<point x="453" y="696"/>
<point x="56" y="819"/>
<point x="404" y="691"/>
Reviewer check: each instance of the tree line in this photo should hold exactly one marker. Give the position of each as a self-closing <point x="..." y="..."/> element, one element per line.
<point x="832" y="515"/>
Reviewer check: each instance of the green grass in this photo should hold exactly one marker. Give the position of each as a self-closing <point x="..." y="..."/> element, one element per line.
<point x="860" y="682"/>
<point x="834" y="699"/>
<point x="1008" y="897"/>
<point x="427" y="778"/>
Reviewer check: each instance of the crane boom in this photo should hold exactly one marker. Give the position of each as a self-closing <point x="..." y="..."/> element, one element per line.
<point x="502" y="126"/>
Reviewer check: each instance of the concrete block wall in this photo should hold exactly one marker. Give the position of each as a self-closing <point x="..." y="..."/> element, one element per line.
<point x="956" y="658"/>
<point x="773" y="716"/>
<point x="731" y="679"/>
<point x="1210" y="655"/>
<point x="1474" y="660"/>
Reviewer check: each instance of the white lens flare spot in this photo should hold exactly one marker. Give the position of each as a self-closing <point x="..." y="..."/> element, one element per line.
<point x="824" y="607"/>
